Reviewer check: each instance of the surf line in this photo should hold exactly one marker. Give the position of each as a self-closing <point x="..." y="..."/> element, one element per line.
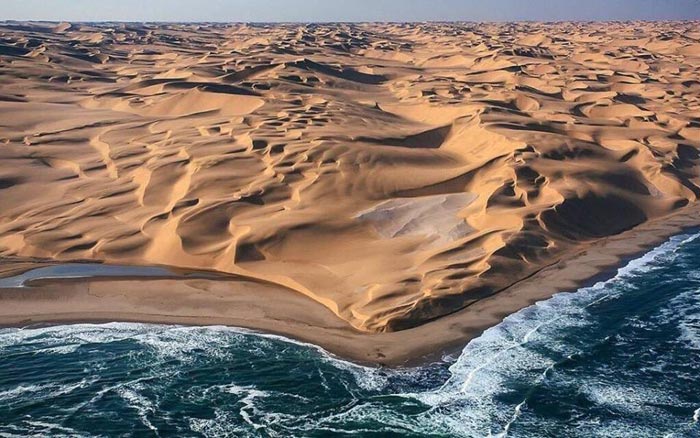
<point x="670" y="246"/>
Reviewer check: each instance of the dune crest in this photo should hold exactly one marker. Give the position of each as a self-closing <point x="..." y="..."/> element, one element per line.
<point x="394" y="173"/>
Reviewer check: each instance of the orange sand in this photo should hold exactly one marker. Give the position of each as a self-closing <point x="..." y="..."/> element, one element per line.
<point x="392" y="173"/>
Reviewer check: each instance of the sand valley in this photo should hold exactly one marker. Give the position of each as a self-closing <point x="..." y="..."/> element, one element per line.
<point x="392" y="173"/>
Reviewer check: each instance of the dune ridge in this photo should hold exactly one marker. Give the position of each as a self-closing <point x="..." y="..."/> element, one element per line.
<point x="394" y="173"/>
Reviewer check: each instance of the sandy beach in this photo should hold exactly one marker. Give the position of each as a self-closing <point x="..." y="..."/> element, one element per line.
<point x="273" y="309"/>
<point x="385" y="191"/>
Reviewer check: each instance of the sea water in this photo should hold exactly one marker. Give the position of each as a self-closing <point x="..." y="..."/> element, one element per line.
<point x="618" y="359"/>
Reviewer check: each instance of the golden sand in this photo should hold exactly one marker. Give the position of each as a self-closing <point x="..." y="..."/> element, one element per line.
<point x="388" y="174"/>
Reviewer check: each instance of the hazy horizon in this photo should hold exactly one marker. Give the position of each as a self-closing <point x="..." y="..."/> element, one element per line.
<point x="359" y="11"/>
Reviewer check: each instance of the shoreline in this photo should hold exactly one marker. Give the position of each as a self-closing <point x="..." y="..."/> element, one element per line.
<point x="387" y="192"/>
<point x="272" y="309"/>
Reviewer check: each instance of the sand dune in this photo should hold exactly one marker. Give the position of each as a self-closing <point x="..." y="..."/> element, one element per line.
<point x="393" y="173"/>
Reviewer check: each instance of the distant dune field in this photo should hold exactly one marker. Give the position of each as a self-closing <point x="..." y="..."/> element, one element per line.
<point x="394" y="173"/>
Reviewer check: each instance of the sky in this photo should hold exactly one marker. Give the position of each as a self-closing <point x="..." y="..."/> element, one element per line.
<point x="347" y="10"/>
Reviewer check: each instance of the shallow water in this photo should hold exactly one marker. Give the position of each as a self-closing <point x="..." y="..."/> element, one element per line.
<point x="621" y="358"/>
<point x="99" y="270"/>
<point x="84" y="270"/>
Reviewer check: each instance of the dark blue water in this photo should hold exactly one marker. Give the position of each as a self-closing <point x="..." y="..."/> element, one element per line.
<point x="620" y="359"/>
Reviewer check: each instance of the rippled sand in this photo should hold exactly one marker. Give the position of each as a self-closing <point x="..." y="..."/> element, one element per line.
<point x="393" y="173"/>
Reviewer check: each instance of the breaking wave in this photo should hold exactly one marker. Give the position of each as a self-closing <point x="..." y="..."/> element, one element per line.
<point x="620" y="358"/>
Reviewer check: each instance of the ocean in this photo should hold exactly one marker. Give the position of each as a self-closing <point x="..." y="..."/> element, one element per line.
<point x="618" y="359"/>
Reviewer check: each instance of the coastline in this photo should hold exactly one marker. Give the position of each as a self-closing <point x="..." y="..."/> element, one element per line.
<point x="425" y="185"/>
<point x="273" y="309"/>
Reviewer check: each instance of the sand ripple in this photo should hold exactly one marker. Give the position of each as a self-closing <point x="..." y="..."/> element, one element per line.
<point x="394" y="173"/>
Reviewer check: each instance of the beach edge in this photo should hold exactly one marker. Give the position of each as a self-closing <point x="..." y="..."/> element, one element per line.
<point x="272" y="309"/>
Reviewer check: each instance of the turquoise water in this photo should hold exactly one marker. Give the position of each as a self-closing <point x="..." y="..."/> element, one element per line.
<point x="621" y="358"/>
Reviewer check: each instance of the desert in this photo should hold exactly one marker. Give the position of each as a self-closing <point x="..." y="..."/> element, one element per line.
<point x="387" y="191"/>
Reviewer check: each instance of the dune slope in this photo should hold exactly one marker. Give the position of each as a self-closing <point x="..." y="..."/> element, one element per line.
<point x="393" y="173"/>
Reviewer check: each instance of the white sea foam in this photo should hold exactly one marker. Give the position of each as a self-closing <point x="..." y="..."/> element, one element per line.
<point x="469" y="403"/>
<point x="248" y="411"/>
<point x="21" y="391"/>
<point x="143" y="406"/>
<point x="223" y="425"/>
<point x="625" y="398"/>
<point x="41" y="391"/>
<point x="53" y="429"/>
<point x="61" y="349"/>
<point x="686" y="310"/>
<point x="501" y="354"/>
